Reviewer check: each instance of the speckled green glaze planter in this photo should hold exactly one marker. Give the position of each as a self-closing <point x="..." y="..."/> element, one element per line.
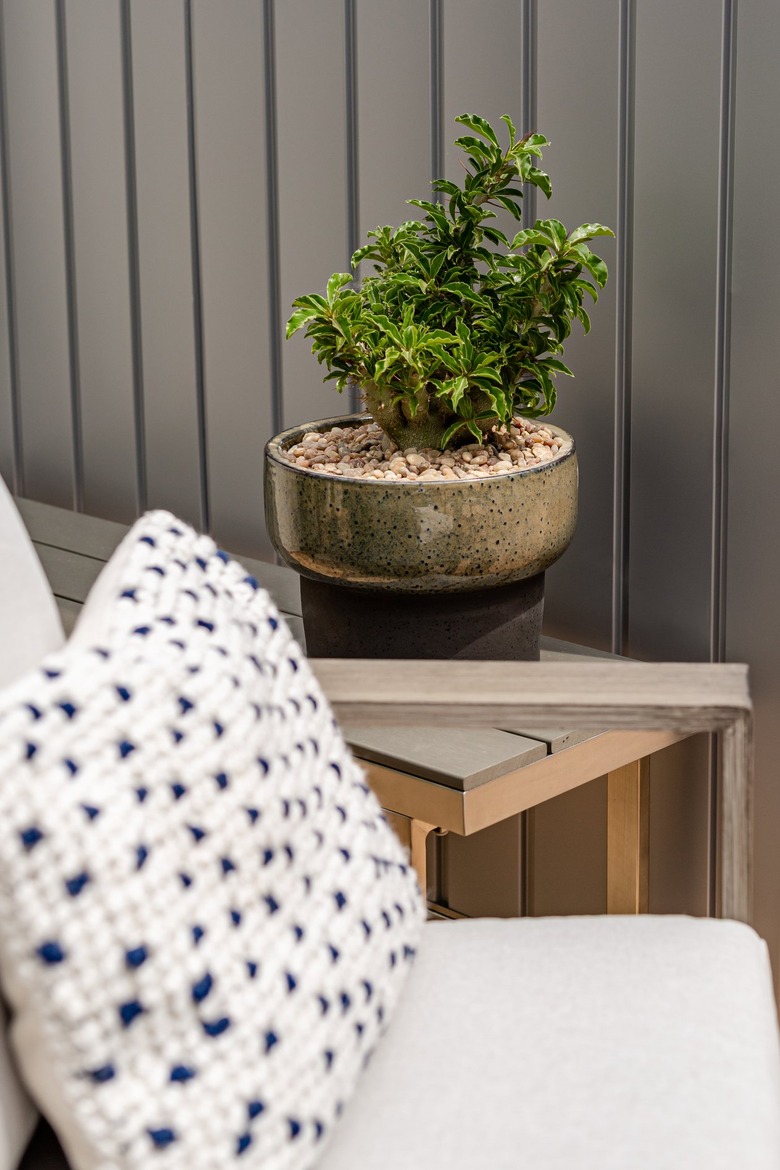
<point x="412" y="537"/>
<point x="453" y="568"/>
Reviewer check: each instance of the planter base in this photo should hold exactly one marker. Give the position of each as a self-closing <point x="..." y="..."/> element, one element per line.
<point x="499" y="623"/>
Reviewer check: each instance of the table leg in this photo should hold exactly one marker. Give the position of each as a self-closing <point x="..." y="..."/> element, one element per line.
<point x="420" y="831"/>
<point x="628" y="807"/>
<point x="735" y="864"/>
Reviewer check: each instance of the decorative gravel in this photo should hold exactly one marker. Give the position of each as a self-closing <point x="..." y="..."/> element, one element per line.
<point x="365" y="452"/>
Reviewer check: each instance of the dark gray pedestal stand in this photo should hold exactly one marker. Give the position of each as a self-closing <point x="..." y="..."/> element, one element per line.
<point x="500" y="623"/>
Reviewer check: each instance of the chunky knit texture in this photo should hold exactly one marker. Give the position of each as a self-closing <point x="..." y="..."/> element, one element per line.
<point x="204" y="918"/>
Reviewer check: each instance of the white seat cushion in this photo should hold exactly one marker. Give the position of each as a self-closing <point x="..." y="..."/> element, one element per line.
<point x="571" y="1044"/>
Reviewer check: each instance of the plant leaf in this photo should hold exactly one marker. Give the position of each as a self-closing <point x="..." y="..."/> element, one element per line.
<point x="479" y="126"/>
<point x="298" y="319"/>
<point x="451" y="432"/>
<point x="512" y="132"/>
<point x="589" y="231"/>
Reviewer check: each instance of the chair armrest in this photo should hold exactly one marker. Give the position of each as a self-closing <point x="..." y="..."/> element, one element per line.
<point x="587" y="695"/>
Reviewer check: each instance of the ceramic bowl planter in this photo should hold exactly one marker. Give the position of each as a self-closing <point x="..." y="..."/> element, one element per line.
<point x="439" y="569"/>
<point x="451" y="332"/>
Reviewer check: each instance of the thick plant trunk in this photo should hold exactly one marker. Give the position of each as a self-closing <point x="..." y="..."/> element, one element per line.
<point x="426" y="429"/>
<point x="428" y="426"/>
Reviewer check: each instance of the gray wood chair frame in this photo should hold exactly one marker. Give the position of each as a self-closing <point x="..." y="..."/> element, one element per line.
<point x="646" y="706"/>
<point x="678" y="697"/>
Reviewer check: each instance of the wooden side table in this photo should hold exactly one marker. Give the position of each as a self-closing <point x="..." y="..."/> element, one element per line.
<point x="457" y="781"/>
<point x="421" y="803"/>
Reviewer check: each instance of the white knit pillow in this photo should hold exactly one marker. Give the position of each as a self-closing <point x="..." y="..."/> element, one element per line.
<point x="205" y="920"/>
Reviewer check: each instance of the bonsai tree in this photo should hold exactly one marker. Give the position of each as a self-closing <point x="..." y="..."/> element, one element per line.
<point x="459" y="328"/>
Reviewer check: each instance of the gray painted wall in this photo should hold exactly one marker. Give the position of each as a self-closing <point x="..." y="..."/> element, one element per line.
<point x="173" y="172"/>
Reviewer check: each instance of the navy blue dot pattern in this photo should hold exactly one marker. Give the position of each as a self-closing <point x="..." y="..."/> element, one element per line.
<point x="201" y="903"/>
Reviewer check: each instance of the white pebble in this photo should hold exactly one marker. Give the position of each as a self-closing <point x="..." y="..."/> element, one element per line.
<point x="364" y="452"/>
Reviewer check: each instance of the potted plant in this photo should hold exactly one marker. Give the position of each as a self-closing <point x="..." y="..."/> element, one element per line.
<point x="430" y="521"/>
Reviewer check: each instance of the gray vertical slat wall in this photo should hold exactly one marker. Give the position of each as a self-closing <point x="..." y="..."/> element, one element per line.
<point x="675" y="235"/>
<point x="230" y="181"/>
<point x="472" y="34"/>
<point x="393" y="118"/>
<point x="94" y="170"/>
<point x="753" y="555"/>
<point x="9" y="417"/>
<point x="38" y="251"/>
<point x="174" y="172"/>
<point x="312" y="180"/>
<point x="482" y="58"/>
<point x="166" y="265"/>
<point x="583" y="168"/>
<point x="570" y="36"/>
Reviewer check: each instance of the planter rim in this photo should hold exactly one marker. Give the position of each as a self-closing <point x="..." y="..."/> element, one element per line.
<point x="286" y="438"/>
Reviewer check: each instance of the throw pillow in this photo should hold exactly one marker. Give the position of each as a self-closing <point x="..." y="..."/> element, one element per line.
<point x="205" y="920"/>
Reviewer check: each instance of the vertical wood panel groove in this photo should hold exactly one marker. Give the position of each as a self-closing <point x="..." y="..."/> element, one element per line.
<point x="352" y="156"/>
<point x="312" y="145"/>
<point x="721" y="388"/>
<point x="529" y="96"/>
<point x="133" y="261"/>
<point x="18" y="482"/>
<point x="621" y="514"/>
<point x="272" y="214"/>
<point x="197" y="290"/>
<point x="723" y="336"/>
<point x="528" y="119"/>
<point x="70" y="258"/>
<point x="437" y="91"/>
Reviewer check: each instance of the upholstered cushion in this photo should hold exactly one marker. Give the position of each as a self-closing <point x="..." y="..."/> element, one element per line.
<point x="29" y="628"/>
<point x="575" y="1044"/>
<point x="204" y="919"/>
<point x="569" y="1044"/>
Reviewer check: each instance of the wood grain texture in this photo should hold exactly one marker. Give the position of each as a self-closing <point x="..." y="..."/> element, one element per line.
<point x="684" y="696"/>
<point x="736" y="789"/>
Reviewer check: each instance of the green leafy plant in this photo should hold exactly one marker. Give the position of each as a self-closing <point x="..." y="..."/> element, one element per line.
<point x="459" y="328"/>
